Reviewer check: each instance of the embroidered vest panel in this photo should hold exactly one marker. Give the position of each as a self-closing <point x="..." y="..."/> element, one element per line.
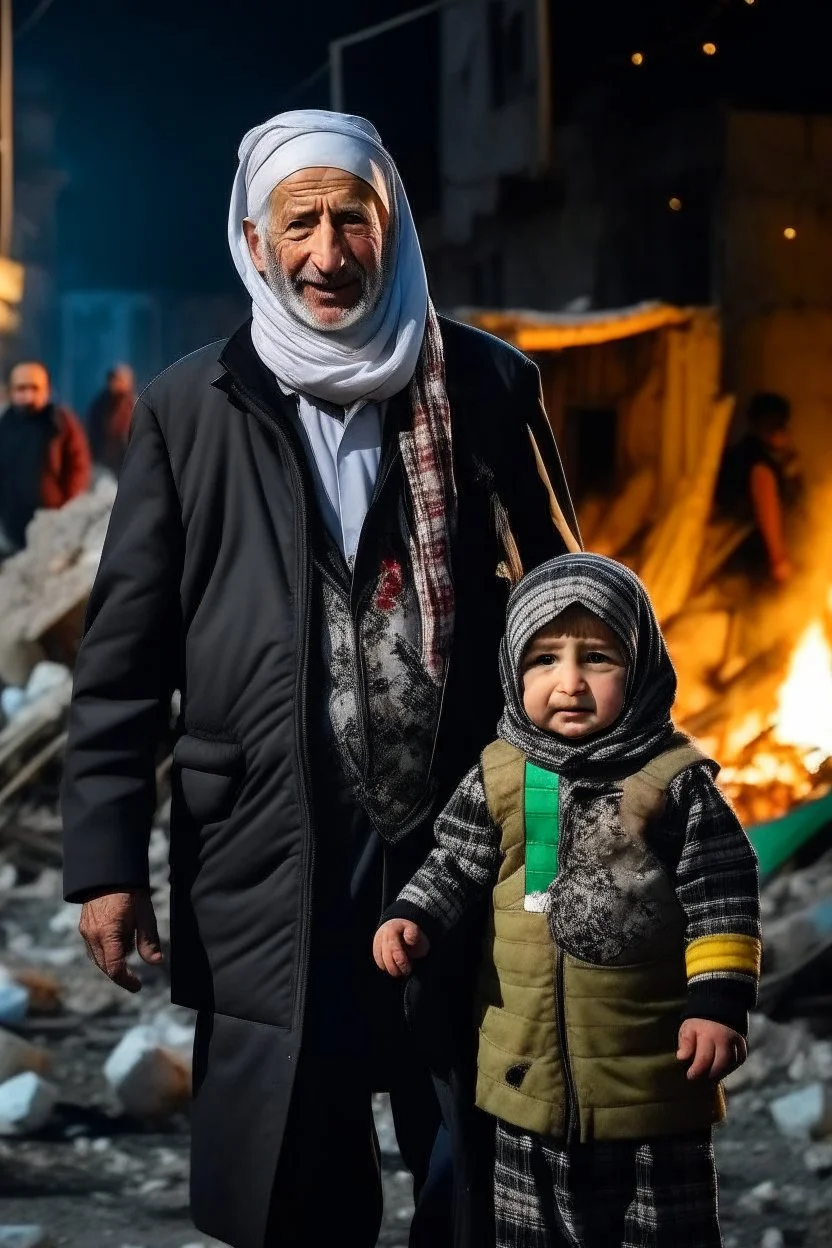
<point x="570" y="1047"/>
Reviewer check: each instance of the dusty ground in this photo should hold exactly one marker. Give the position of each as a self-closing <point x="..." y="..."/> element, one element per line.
<point x="96" y="1179"/>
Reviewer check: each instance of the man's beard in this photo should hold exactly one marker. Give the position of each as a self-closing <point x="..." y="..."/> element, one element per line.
<point x="288" y="291"/>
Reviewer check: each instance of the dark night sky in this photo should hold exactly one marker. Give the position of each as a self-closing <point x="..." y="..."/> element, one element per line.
<point x="154" y="96"/>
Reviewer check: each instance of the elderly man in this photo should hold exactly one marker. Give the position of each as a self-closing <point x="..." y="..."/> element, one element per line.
<point x="310" y="540"/>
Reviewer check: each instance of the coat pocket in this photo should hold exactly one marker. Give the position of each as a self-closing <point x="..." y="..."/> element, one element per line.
<point x="208" y="774"/>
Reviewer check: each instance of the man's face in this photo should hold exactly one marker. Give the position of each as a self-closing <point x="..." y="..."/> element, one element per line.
<point x="29" y="387"/>
<point x="322" y="254"/>
<point x="120" y="381"/>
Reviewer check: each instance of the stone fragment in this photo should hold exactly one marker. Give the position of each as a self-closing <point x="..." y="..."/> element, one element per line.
<point x="17" y="1056"/>
<point x="759" y="1198"/>
<point x="805" y="1113"/>
<point x="150" y="1079"/>
<point x="772" y="1238"/>
<point x="26" y="1104"/>
<point x="24" y="1237"/>
<point x="818" y="1157"/>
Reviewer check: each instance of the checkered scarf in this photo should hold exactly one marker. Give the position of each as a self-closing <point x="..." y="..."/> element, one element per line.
<point x="616" y="595"/>
<point x="429" y="469"/>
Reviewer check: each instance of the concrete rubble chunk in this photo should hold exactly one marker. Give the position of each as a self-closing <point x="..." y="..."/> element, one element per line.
<point x="772" y="1238"/>
<point x="759" y="1198"/>
<point x="51" y="578"/>
<point x="818" y="1157"/>
<point x="18" y="1056"/>
<point x="150" y="1069"/>
<point x="805" y="1113"/>
<point x="14" y="998"/>
<point x="25" y="1237"/>
<point x="26" y="1104"/>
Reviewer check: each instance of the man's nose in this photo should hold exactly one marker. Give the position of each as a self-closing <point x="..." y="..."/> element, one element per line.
<point x="327" y="251"/>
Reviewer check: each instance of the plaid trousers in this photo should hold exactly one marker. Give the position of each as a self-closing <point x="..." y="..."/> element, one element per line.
<point x="657" y="1193"/>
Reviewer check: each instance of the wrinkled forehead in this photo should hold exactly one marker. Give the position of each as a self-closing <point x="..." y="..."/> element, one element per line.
<point x="308" y="187"/>
<point x="316" y="153"/>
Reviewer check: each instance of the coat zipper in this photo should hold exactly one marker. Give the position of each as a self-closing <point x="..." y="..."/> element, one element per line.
<point x="571" y="1114"/>
<point x="301" y="719"/>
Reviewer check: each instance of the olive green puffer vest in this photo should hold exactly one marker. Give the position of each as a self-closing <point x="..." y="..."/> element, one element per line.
<point x="568" y="1048"/>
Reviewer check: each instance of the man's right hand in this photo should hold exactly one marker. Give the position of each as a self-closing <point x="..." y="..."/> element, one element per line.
<point x="115" y="924"/>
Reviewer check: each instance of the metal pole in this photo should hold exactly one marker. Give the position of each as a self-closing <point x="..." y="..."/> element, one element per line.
<point x="544" y="87"/>
<point x="336" y="47"/>
<point x="336" y="77"/>
<point x="6" y="129"/>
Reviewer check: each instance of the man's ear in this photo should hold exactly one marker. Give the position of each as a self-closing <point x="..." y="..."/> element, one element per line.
<point x="255" y="244"/>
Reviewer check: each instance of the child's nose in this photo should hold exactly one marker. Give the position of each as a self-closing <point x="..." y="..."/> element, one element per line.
<point x="571" y="680"/>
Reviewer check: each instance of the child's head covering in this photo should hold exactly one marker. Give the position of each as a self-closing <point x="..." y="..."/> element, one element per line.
<point x="616" y="596"/>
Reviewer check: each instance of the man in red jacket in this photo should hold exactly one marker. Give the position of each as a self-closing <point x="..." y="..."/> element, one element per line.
<point x="44" y="455"/>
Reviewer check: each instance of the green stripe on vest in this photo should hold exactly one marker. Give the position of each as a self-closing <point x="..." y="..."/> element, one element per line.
<point x="542" y="800"/>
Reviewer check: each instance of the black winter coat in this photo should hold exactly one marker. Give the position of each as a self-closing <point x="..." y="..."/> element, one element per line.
<point x="205" y="585"/>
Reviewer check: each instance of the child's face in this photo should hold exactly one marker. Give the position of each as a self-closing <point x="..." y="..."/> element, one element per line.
<point x="574" y="685"/>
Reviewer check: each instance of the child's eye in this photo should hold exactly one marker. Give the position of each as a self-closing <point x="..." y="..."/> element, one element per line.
<point x="544" y="660"/>
<point x="597" y="656"/>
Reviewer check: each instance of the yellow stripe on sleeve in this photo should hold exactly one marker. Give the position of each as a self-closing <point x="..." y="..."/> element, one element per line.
<point x="726" y="952"/>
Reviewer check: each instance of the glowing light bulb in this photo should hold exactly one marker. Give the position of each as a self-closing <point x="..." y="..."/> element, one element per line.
<point x="674" y="204"/>
<point x="790" y="232"/>
<point x="709" y="49"/>
<point x="637" y="58"/>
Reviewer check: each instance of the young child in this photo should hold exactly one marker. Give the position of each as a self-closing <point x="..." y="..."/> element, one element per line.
<point x="623" y="952"/>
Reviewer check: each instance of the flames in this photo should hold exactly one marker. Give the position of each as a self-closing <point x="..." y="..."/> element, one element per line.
<point x="771" y="763"/>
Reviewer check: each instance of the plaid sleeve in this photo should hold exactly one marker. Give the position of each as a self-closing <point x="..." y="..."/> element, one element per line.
<point x="464" y="863"/>
<point x="717" y="886"/>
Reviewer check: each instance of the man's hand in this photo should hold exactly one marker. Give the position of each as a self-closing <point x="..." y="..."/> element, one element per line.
<point x="395" y="943"/>
<point x="115" y="924"/>
<point x="716" y="1050"/>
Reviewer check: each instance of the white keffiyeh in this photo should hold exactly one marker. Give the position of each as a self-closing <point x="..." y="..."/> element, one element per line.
<point x="376" y="358"/>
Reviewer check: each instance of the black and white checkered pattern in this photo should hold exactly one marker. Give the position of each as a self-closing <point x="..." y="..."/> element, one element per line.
<point x="612" y="1194"/>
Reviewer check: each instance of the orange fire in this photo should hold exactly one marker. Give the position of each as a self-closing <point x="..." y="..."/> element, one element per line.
<point x="776" y="762"/>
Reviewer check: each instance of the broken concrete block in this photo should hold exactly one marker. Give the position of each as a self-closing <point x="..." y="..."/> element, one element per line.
<point x="24" y="1237"/>
<point x="772" y="1238"/>
<point x="18" y="1056"/>
<point x="150" y="1079"/>
<point x="818" y="1157"/>
<point x="814" y="1063"/>
<point x="761" y="1197"/>
<point x="805" y="1113"/>
<point x="26" y="1104"/>
<point x="43" y="989"/>
<point x="14" y="999"/>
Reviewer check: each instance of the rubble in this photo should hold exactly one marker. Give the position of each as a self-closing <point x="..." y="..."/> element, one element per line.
<point x="18" y="1056"/>
<point x="26" y="1104"/>
<point x="150" y="1070"/>
<point x="24" y="1237"/>
<point x="805" y="1113"/>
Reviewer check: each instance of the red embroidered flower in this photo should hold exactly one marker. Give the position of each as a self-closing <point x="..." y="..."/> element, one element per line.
<point x="390" y="584"/>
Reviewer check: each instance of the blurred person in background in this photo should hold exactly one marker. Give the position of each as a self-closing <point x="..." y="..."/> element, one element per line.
<point x="108" y="418"/>
<point x="759" y="485"/>
<point x="44" y="454"/>
<point x="308" y="541"/>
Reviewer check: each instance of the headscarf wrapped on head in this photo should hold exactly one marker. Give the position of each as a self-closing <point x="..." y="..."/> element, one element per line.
<point x="616" y="595"/>
<point x="376" y="358"/>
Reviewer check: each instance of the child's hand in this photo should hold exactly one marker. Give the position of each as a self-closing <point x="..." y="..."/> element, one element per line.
<point x="395" y="943"/>
<point x="716" y="1049"/>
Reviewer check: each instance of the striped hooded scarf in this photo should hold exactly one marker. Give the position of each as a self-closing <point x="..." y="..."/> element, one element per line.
<point x="616" y="595"/>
